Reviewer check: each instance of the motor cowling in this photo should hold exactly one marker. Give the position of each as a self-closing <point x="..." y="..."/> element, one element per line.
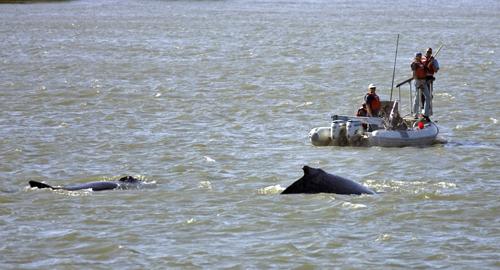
<point x="354" y="130"/>
<point x="338" y="132"/>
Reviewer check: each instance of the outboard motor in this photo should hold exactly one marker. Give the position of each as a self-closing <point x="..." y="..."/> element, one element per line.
<point x="320" y="136"/>
<point x="338" y="134"/>
<point x="354" y="131"/>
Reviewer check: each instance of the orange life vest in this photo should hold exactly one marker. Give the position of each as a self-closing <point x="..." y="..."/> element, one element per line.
<point x="420" y="70"/>
<point x="429" y="64"/>
<point x="361" y="112"/>
<point x="373" y="101"/>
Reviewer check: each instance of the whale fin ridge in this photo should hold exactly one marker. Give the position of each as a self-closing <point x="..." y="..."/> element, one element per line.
<point x="37" y="184"/>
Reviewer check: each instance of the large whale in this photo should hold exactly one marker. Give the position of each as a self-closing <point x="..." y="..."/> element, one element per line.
<point x="126" y="182"/>
<point x="319" y="181"/>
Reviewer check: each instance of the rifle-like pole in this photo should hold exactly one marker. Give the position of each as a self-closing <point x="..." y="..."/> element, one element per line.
<point x="431" y="84"/>
<point x="438" y="50"/>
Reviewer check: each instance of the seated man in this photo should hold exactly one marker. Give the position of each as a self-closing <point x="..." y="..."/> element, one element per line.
<point x="362" y="110"/>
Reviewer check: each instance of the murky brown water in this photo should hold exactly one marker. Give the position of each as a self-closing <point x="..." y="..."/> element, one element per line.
<point x="213" y="101"/>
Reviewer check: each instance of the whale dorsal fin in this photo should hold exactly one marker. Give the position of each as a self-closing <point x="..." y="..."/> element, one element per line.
<point x="40" y="185"/>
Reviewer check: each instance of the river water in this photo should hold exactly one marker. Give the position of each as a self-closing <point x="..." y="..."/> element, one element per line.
<point x="212" y="101"/>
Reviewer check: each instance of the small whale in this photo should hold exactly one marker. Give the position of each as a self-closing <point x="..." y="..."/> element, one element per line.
<point x="319" y="181"/>
<point x="126" y="182"/>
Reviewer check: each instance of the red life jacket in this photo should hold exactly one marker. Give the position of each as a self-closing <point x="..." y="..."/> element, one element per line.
<point x="373" y="101"/>
<point x="361" y="112"/>
<point x="420" y="70"/>
<point x="429" y="64"/>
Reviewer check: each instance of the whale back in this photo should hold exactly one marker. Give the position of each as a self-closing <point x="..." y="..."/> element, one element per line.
<point x="318" y="181"/>
<point x="94" y="186"/>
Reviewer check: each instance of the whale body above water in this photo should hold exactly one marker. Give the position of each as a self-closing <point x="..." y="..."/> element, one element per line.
<point x="126" y="182"/>
<point x="318" y="181"/>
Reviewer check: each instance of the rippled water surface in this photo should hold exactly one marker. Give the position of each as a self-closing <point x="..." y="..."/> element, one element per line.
<point x="213" y="101"/>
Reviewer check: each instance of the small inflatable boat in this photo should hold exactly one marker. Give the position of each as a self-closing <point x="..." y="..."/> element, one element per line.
<point x="389" y="130"/>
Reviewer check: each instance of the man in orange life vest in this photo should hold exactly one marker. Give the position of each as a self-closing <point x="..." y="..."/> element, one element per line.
<point x="372" y="101"/>
<point x="419" y="76"/>
<point x="431" y="66"/>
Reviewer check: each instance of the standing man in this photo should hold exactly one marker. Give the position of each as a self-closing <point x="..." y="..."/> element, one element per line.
<point x="432" y="66"/>
<point x="420" y="75"/>
<point x="372" y="101"/>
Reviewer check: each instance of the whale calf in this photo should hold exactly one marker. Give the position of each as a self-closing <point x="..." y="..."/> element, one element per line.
<point x="126" y="182"/>
<point x="319" y="181"/>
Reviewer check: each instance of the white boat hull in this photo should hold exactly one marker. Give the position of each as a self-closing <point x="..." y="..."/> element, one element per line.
<point x="338" y="134"/>
<point x="400" y="138"/>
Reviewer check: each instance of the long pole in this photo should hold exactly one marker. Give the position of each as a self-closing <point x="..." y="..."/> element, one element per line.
<point x="438" y="50"/>
<point x="411" y="101"/>
<point x="394" y="70"/>
<point x="431" y="86"/>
